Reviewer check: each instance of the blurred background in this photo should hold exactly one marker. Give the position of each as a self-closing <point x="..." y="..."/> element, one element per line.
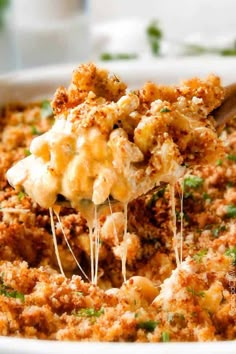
<point x="47" y="32"/>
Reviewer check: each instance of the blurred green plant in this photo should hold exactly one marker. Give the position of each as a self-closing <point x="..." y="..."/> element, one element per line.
<point x="195" y="49"/>
<point x="154" y="35"/>
<point x="117" y="56"/>
<point x="3" y="6"/>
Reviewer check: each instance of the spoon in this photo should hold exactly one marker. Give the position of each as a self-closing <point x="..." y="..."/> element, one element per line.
<point x="227" y="110"/>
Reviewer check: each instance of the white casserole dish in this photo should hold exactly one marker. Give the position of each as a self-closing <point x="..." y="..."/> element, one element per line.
<point x="39" y="83"/>
<point x="28" y="85"/>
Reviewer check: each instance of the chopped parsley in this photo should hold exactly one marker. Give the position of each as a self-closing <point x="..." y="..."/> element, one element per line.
<point x="21" y="195"/>
<point x="154" y="35"/>
<point x="27" y="152"/>
<point x="231" y="252"/>
<point x="231" y="157"/>
<point x="219" y="162"/>
<point x="165" y="110"/>
<point x="165" y="337"/>
<point x="193" y="182"/>
<point x="118" y="56"/>
<point x="216" y="231"/>
<point x="35" y="131"/>
<point x="231" y="211"/>
<point x="206" y="196"/>
<point x="46" y="109"/>
<point x="89" y="312"/>
<point x="156" y="195"/>
<point x="149" y="326"/>
<point x="9" y="292"/>
<point x="194" y="292"/>
<point x="199" y="256"/>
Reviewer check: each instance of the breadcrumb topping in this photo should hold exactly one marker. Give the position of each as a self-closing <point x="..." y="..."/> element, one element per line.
<point x="196" y="301"/>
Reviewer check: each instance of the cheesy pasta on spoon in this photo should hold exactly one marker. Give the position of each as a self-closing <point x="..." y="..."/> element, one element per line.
<point x="107" y="142"/>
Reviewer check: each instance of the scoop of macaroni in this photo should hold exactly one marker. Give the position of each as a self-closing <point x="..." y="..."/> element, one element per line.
<point x="108" y="142"/>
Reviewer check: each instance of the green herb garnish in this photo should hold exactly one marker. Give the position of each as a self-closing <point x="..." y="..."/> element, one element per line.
<point x="206" y="196"/>
<point x="231" y="252"/>
<point x="156" y="195"/>
<point x="165" y="337"/>
<point x="219" y="162"/>
<point x="27" y="152"/>
<point x="216" y="231"/>
<point x="231" y="157"/>
<point x="199" y="256"/>
<point x="89" y="312"/>
<point x="165" y="110"/>
<point x="194" y="292"/>
<point x="149" y="326"/>
<point x="35" y="131"/>
<point x="190" y="183"/>
<point x="193" y="182"/>
<point x="9" y="292"/>
<point x="21" y="195"/>
<point x="231" y="211"/>
<point x="46" y="109"/>
<point x="154" y="35"/>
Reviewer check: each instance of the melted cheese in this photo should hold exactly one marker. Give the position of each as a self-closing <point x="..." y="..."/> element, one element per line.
<point x="96" y="244"/>
<point x="175" y="236"/>
<point x="181" y="222"/>
<point x="125" y="240"/>
<point x="55" y="241"/>
<point x="56" y="211"/>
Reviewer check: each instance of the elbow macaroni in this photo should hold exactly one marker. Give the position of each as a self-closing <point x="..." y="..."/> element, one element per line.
<point x="120" y="147"/>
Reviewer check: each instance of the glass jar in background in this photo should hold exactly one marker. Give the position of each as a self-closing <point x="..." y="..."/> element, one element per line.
<point x="47" y="32"/>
